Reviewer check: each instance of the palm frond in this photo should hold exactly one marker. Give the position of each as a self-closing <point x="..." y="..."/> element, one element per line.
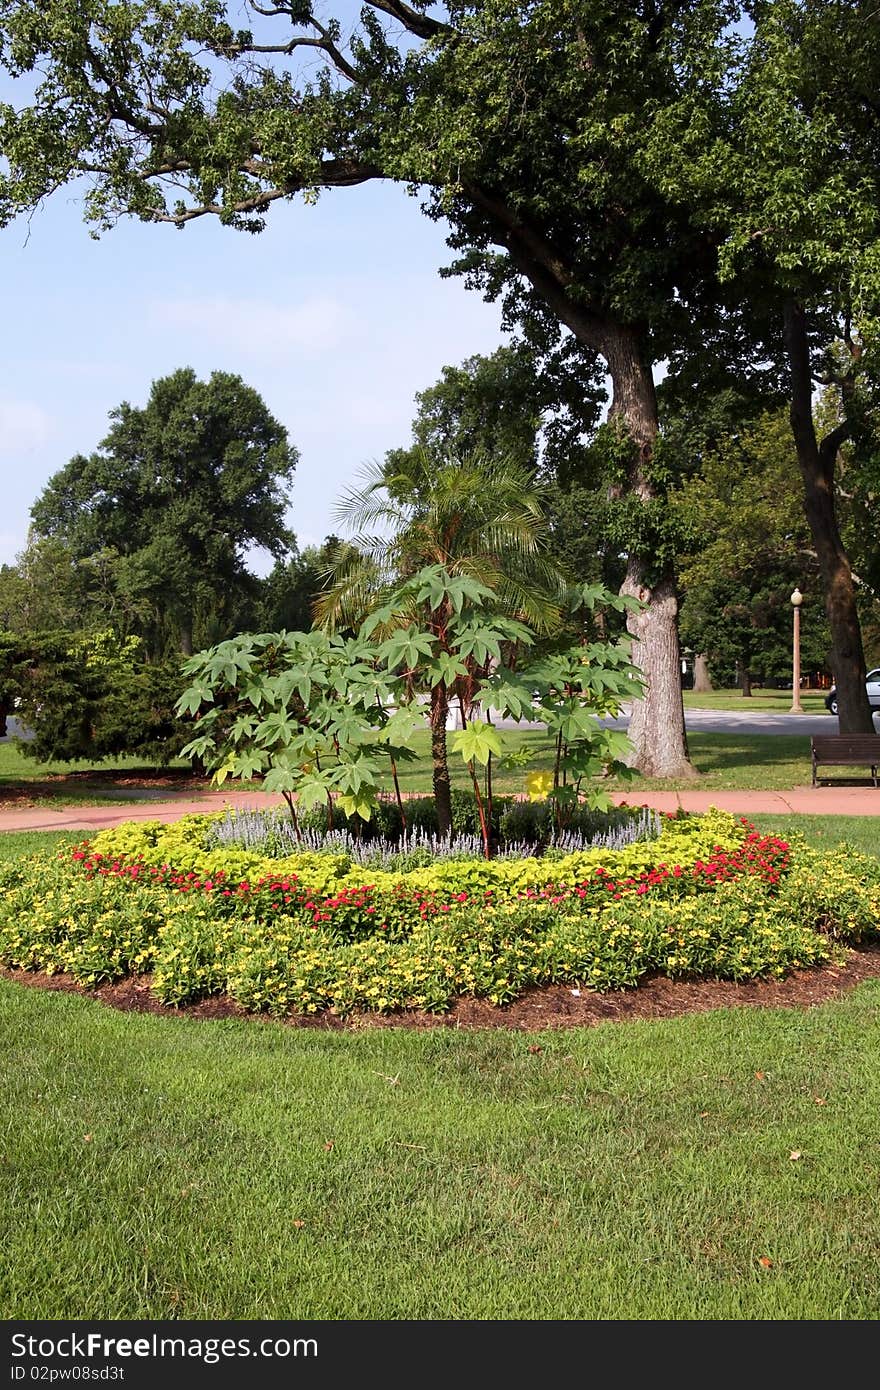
<point x="480" y="516"/>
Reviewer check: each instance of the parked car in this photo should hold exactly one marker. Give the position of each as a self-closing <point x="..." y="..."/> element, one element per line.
<point x="873" y="685"/>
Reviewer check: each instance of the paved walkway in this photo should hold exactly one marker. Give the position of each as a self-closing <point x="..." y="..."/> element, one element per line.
<point x="800" y="801"/>
<point x="809" y="801"/>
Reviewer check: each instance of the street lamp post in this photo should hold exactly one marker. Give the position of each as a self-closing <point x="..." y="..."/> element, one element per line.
<point x="797" y="599"/>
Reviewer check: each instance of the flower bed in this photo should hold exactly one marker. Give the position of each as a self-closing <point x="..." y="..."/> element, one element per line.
<point x="190" y="846"/>
<point x="708" y="898"/>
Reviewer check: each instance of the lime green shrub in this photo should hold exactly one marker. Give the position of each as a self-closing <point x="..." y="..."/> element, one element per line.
<point x="187" y="845"/>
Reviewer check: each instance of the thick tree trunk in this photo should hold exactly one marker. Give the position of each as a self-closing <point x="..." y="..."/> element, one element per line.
<point x="442" y="788"/>
<point x="817" y="463"/>
<point x="186" y="639"/>
<point x="656" y="730"/>
<point x="702" y="679"/>
<point x="745" y="682"/>
<point x="657" y="727"/>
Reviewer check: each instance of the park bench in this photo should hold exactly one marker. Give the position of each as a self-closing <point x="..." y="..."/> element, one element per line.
<point x="846" y="750"/>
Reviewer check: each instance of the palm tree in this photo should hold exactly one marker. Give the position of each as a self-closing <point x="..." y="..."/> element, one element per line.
<point x="476" y="516"/>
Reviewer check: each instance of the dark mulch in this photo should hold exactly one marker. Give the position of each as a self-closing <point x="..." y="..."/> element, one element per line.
<point x="555" y="1006"/>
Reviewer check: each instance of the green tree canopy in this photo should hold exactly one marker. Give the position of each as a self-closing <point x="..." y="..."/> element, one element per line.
<point x="750" y="547"/>
<point x="49" y="588"/>
<point x="488" y="405"/>
<point x="179" y="490"/>
<point x="788" y="183"/>
<point x="531" y="408"/>
<point x="287" y="595"/>
<point x="538" y="412"/>
<point x="90" y="696"/>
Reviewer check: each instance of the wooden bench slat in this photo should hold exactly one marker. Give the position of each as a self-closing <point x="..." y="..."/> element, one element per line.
<point x="867" y="743"/>
<point x="846" y="750"/>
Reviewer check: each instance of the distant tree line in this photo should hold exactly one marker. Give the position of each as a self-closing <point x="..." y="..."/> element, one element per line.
<point x="138" y="554"/>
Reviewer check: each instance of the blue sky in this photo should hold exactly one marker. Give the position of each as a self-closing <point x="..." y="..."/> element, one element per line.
<point x="336" y="314"/>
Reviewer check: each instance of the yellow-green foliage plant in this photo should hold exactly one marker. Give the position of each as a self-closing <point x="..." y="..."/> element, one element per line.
<point x="188" y="846"/>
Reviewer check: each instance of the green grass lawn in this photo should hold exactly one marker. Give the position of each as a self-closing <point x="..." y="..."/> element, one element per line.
<point x="167" y="1168"/>
<point x="164" y="1168"/>
<point x="725" y="761"/>
<point x="771" y="701"/>
<point x="861" y="832"/>
<point x="742" y="760"/>
<point x="52" y="783"/>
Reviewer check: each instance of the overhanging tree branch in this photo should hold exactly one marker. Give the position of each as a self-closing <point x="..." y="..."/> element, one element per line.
<point x="419" y="24"/>
<point x="535" y="258"/>
<point x="333" y="174"/>
<point x="324" y="43"/>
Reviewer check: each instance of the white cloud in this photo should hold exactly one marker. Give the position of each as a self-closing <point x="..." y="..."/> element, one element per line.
<point x="23" y="427"/>
<point x="257" y="327"/>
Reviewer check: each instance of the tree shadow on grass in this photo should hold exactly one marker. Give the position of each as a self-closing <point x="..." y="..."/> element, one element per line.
<point x="97" y="784"/>
<point x="739" y="761"/>
<point x="727" y="752"/>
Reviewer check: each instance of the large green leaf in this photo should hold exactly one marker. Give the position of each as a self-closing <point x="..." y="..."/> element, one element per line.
<point x="276" y="728"/>
<point x="510" y="694"/>
<point x="358" y="804"/>
<point x="409" y="649"/>
<point x="436" y="586"/>
<point x="281" y="779"/>
<point x="402" y="724"/>
<point x="446" y="668"/>
<point x="478" y="640"/>
<point x="477" y="742"/>
<point x="570" y="719"/>
<point x="358" y="774"/>
<point x="195" y="695"/>
<point x="243" y="728"/>
<point x="250" y="764"/>
<point x="198" y="747"/>
<point x="314" y="790"/>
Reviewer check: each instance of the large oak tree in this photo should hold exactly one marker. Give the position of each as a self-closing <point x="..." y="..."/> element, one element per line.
<point x="524" y="126"/>
<point x="789" y="181"/>
<point x="179" y="490"/>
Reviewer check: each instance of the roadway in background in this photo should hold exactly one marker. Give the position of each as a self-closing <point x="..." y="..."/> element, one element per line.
<point x="723" y="721"/>
<point x="706" y="721"/>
